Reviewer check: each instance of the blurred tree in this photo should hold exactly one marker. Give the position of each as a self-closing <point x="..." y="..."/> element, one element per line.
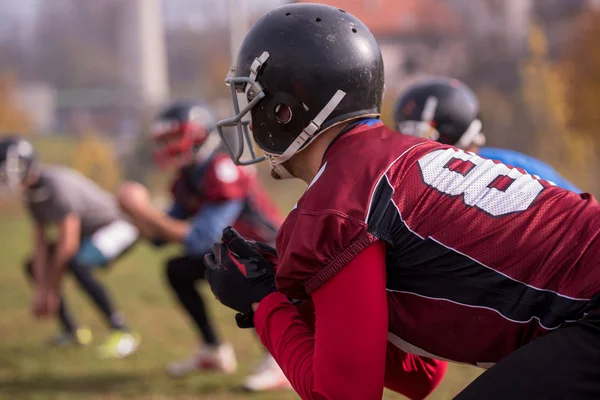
<point x="387" y="111"/>
<point x="498" y="116"/>
<point x="545" y="94"/>
<point x="582" y="71"/>
<point x="12" y="118"/>
<point x="94" y="156"/>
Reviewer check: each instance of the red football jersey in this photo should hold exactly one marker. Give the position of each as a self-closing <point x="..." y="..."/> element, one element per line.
<point x="219" y="179"/>
<point x="481" y="258"/>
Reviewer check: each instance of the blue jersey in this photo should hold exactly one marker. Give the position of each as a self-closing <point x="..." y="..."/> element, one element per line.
<point x="532" y="165"/>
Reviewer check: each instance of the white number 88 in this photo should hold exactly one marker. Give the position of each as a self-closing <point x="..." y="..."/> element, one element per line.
<point x="493" y="188"/>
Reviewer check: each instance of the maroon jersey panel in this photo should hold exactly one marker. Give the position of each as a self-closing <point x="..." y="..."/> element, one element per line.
<point x="328" y="226"/>
<point x="448" y="331"/>
<point x="540" y="231"/>
<point x="481" y="257"/>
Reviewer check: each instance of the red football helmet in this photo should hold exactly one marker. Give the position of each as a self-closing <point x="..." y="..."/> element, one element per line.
<point x="182" y="133"/>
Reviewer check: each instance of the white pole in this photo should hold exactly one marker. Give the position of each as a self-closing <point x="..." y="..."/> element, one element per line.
<point x="143" y="51"/>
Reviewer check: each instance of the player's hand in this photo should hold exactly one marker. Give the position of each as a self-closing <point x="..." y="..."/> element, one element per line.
<point x="240" y="272"/>
<point x="45" y="302"/>
<point x="133" y="196"/>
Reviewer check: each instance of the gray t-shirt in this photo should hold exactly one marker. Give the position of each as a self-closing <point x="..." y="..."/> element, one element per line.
<point x="61" y="191"/>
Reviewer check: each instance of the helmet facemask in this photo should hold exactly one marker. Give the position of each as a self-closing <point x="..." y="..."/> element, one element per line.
<point x="177" y="144"/>
<point x="254" y="93"/>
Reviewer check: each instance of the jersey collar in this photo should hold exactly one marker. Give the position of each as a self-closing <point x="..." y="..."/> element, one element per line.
<point x="363" y="122"/>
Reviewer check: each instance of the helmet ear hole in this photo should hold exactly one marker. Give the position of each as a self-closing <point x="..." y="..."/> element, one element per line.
<point x="283" y="113"/>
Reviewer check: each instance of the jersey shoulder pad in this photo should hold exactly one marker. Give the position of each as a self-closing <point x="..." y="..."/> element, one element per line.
<point x="223" y="180"/>
<point x="328" y="226"/>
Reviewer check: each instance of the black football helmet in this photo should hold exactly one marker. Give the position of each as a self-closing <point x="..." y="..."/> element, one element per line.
<point x="302" y="68"/>
<point x="182" y="133"/>
<point x="17" y="161"/>
<point x="442" y="109"/>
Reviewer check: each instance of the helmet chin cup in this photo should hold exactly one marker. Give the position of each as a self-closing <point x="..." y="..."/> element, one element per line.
<point x="278" y="170"/>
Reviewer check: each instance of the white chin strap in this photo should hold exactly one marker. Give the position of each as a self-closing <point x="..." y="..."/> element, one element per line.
<point x="307" y="135"/>
<point x="472" y="136"/>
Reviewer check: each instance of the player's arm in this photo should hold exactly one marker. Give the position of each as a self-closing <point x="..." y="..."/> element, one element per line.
<point x="345" y="357"/>
<point x="40" y="252"/>
<point x="176" y="211"/>
<point x="408" y="374"/>
<point x="413" y="376"/>
<point x="197" y="235"/>
<point x="206" y="227"/>
<point x="153" y="224"/>
<point x="146" y="230"/>
<point x="69" y="233"/>
<point x="158" y="226"/>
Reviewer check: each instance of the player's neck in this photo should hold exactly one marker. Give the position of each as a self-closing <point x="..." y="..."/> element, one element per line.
<point x="306" y="164"/>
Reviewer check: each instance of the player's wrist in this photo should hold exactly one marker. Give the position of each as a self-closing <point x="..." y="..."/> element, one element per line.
<point x="254" y="306"/>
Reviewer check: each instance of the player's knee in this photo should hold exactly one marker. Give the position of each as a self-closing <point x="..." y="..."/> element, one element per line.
<point x="175" y="274"/>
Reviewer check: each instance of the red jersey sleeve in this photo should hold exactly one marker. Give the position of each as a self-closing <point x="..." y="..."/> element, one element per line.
<point x="339" y="214"/>
<point x="345" y="356"/>
<point x="413" y="376"/>
<point x="223" y="180"/>
<point x="324" y="232"/>
<point x="342" y="353"/>
<point x="318" y="246"/>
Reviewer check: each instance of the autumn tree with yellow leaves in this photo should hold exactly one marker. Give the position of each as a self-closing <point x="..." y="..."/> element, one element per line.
<point x="582" y="72"/>
<point x="12" y="118"/>
<point x="96" y="158"/>
<point x="546" y="90"/>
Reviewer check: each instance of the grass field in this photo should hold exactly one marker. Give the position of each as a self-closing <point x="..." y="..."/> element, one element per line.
<point x="28" y="370"/>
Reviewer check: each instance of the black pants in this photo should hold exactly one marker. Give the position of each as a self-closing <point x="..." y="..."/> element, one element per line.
<point x="183" y="274"/>
<point x="563" y="365"/>
<point x="92" y="287"/>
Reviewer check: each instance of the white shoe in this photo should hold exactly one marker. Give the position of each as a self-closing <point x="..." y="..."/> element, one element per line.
<point x="218" y="359"/>
<point x="119" y="344"/>
<point x="268" y="376"/>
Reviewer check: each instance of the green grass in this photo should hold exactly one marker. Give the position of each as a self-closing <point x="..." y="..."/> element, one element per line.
<point x="28" y="370"/>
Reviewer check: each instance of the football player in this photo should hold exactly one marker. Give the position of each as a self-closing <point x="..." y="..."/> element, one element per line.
<point x="209" y="193"/>
<point x="91" y="233"/>
<point x="400" y="241"/>
<point x="446" y="110"/>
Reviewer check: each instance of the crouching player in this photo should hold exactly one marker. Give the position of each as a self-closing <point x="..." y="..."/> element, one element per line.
<point x="209" y="193"/>
<point x="91" y="233"/>
<point x="436" y="250"/>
